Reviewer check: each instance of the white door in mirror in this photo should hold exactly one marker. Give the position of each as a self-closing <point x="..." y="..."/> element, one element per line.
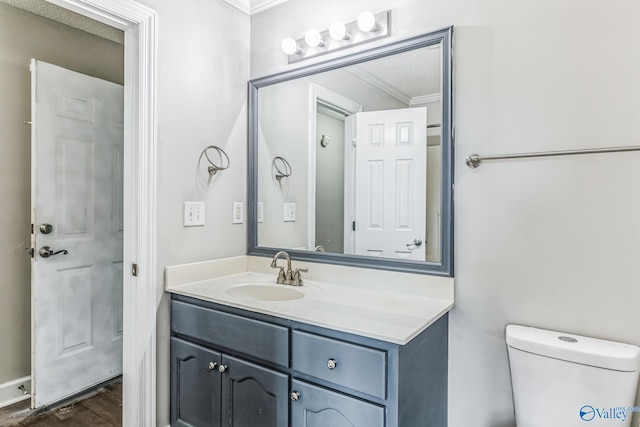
<point x="390" y="183"/>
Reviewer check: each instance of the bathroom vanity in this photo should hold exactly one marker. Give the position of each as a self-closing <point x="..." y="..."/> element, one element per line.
<point x="338" y="355"/>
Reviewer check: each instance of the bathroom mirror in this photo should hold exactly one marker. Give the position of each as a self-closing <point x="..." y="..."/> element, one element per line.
<point x="366" y="144"/>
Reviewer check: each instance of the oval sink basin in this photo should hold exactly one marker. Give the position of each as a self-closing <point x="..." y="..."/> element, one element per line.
<point x="267" y="292"/>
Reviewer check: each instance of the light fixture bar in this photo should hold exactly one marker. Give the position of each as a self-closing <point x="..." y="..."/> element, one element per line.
<point x="356" y="37"/>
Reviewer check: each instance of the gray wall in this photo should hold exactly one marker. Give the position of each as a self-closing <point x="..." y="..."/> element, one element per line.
<point x="548" y="242"/>
<point x="24" y="36"/>
<point x="203" y="69"/>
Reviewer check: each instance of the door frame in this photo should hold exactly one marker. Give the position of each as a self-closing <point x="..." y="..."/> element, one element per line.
<point x="317" y="94"/>
<point x="139" y="24"/>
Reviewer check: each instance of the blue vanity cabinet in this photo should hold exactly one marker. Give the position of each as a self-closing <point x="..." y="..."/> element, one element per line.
<point x="232" y="368"/>
<point x="194" y="368"/>
<point x="314" y="406"/>
<point x="213" y="389"/>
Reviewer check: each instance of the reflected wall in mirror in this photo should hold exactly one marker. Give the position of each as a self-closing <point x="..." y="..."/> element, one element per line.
<point x="368" y="138"/>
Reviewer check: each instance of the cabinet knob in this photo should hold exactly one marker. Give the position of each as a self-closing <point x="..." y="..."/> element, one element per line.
<point x="223" y="368"/>
<point x="212" y="366"/>
<point x="331" y="364"/>
<point x="294" y="396"/>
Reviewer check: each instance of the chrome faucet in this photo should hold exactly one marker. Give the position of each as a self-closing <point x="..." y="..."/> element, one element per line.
<point x="287" y="277"/>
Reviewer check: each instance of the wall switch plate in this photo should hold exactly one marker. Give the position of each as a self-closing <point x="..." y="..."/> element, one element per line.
<point x="193" y="214"/>
<point x="289" y="212"/>
<point x="260" y="213"/>
<point x="238" y="213"/>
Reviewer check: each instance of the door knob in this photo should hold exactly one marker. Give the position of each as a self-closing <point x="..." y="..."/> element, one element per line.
<point x="46" y="228"/>
<point x="212" y="366"/>
<point x="294" y="396"/>
<point x="46" y="252"/>
<point x="222" y="368"/>
<point x="417" y="242"/>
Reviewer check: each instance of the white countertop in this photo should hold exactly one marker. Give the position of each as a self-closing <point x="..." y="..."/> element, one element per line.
<point x="365" y="309"/>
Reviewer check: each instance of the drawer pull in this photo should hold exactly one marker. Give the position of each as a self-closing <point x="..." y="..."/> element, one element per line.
<point x="294" y="396"/>
<point x="223" y="368"/>
<point x="331" y="364"/>
<point x="212" y="366"/>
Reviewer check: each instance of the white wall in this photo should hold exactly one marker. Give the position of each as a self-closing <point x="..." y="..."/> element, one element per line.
<point x="24" y="36"/>
<point x="203" y="68"/>
<point x="546" y="242"/>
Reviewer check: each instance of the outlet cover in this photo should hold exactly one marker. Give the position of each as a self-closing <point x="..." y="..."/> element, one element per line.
<point x="289" y="212"/>
<point x="260" y="213"/>
<point x="238" y="213"/>
<point x="193" y="214"/>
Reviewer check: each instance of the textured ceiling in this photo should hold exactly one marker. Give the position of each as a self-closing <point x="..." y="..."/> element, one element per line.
<point x="66" y="17"/>
<point x="407" y="76"/>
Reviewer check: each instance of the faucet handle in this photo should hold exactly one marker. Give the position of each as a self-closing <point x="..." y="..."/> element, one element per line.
<point x="281" y="276"/>
<point x="296" y="279"/>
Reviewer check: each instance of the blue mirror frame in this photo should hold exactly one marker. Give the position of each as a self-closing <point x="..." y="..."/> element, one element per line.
<point x="442" y="268"/>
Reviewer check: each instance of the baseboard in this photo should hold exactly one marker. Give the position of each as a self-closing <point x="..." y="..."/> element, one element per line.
<point x="10" y="393"/>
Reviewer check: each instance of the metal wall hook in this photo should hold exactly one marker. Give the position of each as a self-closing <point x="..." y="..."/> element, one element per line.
<point x="282" y="171"/>
<point x="214" y="168"/>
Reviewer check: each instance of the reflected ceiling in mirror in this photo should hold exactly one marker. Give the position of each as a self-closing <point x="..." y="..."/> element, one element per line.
<point x="368" y="141"/>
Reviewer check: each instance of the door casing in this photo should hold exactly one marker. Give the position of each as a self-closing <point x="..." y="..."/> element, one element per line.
<point x="139" y="24"/>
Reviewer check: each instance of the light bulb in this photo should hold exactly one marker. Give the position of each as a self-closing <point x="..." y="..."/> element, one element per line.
<point x="290" y="46"/>
<point x="338" y="31"/>
<point x="367" y="22"/>
<point x="313" y="38"/>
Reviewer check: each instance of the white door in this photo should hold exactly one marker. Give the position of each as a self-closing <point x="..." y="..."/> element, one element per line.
<point x="77" y="183"/>
<point x="390" y="183"/>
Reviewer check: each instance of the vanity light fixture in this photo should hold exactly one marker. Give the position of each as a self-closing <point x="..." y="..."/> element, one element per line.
<point x="367" y="27"/>
<point x="338" y="31"/>
<point x="290" y="46"/>
<point x="367" y="22"/>
<point x="313" y="38"/>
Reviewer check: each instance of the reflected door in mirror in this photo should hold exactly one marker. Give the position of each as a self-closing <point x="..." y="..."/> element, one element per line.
<point x="390" y="183"/>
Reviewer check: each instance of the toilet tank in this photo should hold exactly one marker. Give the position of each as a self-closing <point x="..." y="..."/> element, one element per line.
<point x="566" y="380"/>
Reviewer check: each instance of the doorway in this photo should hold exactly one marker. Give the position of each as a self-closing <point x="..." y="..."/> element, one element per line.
<point x="28" y="35"/>
<point x="139" y="25"/>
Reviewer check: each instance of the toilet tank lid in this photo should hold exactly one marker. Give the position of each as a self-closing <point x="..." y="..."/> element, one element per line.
<point x="574" y="348"/>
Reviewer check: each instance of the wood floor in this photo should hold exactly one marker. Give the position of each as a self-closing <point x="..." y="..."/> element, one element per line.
<point x="101" y="408"/>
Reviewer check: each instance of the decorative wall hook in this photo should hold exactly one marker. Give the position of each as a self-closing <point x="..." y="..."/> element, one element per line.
<point x="282" y="167"/>
<point x="213" y="167"/>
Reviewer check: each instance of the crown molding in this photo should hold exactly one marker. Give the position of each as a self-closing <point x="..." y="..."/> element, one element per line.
<point x="425" y="99"/>
<point x="243" y="5"/>
<point x="251" y="7"/>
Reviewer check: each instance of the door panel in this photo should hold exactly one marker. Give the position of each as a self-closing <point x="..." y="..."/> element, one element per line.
<point x="77" y="182"/>
<point x="390" y="183"/>
<point x="319" y="407"/>
<point x="195" y="388"/>
<point x="253" y="396"/>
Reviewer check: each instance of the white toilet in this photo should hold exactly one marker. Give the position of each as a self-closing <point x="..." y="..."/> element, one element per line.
<point x="565" y="380"/>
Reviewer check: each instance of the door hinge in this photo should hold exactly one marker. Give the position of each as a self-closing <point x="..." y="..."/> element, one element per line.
<point x="134" y="270"/>
<point x="31" y="252"/>
<point x="353" y="226"/>
<point x="31" y="228"/>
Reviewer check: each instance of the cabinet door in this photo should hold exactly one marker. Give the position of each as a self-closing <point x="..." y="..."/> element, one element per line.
<point x="253" y="396"/>
<point x="195" y="385"/>
<point x="319" y="407"/>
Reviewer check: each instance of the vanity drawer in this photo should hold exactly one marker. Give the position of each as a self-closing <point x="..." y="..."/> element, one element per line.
<point x="235" y="333"/>
<point x="349" y="365"/>
<point x="319" y="407"/>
